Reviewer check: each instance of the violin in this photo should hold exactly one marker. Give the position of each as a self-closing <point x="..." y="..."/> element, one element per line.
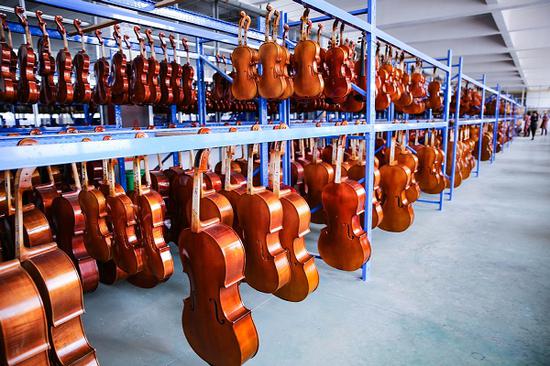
<point x="261" y="217"/>
<point x="44" y="194"/>
<point x="337" y="83"/>
<point x="8" y="64"/>
<point x="395" y="179"/>
<point x="234" y="187"/>
<point x="141" y="93"/>
<point x="165" y="76"/>
<point x="27" y="87"/>
<point x="304" y="277"/>
<point x="355" y="102"/>
<point x="102" y="89"/>
<point x="317" y="175"/>
<point x="58" y="284"/>
<point x="81" y="63"/>
<point x="408" y="159"/>
<point x="25" y="324"/>
<point x="296" y="171"/>
<point x="289" y="90"/>
<point x="458" y="160"/>
<point x="383" y="100"/>
<point x="188" y="73"/>
<point x="68" y="220"/>
<point x="435" y="100"/>
<point x="218" y="89"/>
<point x="175" y="81"/>
<point x="46" y="65"/>
<point x="406" y="98"/>
<point x="153" y="71"/>
<point x="119" y="75"/>
<point x="308" y="81"/>
<point x="430" y="177"/>
<point x="271" y="84"/>
<point x="343" y="244"/>
<point x="219" y="329"/>
<point x="159" y="181"/>
<point x="244" y="60"/>
<point x="63" y="60"/>
<point x="127" y="249"/>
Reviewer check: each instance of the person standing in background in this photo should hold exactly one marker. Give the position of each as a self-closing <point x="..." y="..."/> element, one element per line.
<point x="526" y="121"/>
<point x="534" y="124"/>
<point x="544" y="124"/>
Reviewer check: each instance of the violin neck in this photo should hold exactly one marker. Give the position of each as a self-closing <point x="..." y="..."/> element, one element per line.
<point x="276" y="182"/>
<point x="137" y="176"/>
<point x="250" y="172"/>
<point x="339" y="157"/>
<point x="84" y="175"/>
<point x="196" y="201"/>
<point x="76" y="177"/>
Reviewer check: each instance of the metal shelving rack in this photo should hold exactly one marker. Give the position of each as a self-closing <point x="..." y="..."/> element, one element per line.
<point x="60" y="149"/>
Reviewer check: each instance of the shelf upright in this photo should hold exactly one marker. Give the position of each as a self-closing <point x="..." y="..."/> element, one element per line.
<point x="455" y="126"/>
<point x="495" y="124"/>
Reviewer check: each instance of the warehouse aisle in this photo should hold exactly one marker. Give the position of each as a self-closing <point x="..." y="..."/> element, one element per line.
<point x="466" y="286"/>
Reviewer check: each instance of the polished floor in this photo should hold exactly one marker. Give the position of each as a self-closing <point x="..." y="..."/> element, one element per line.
<point x="466" y="286"/>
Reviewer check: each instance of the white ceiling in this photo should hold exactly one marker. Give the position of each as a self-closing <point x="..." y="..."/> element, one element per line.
<point x="508" y="40"/>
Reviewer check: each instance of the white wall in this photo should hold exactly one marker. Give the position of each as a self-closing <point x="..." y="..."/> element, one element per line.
<point x="538" y="99"/>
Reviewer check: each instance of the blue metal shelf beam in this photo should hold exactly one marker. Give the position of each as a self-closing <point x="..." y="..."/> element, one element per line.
<point x="326" y="17"/>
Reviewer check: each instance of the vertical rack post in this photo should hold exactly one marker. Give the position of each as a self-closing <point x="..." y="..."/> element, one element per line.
<point x="495" y="125"/>
<point x="455" y="127"/>
<point x="201" y="88"/>
<point x="370" y="116"/>
<point x="480" y="133"/>
<point x="446" y="113"/>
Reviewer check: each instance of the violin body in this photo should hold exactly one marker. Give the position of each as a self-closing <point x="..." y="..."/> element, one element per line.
<point x="69" y="222"/>
<point x="153" y="81"/>
<point x="356" y="173"/>
<point x="398" y="213"/>
<point x="97" y="236"/>
<point x="175" y="83"/>
<point x="27" y="87"/>
<point x="317" y="176"/>
<point x="165" y="76"/>
<point x="410" y="160"/>
<point x="261" y="217"/>
<point x="189" y="94"/>
<point x="120" y="85"/>
<point x="141" y="93"/>
<point x="46" y="70"/>
<point x="215" y="322"/>
<point x="65" y="92"/>
<point x="82" y="89"/>
<point x="8" y="81"/>
<point x="244" y="60"/>
<point x="102" y="90"/>
<point x="308" y="81"/>
<point x="304" y="277"/>
<point x="429" y="175"/>
<point x="25" y="323"/>
<point x="343" y="244"/>
<point x="337" y="85"/>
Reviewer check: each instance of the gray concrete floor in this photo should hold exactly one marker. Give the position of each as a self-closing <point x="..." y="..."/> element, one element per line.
<point x="466" y="286"/>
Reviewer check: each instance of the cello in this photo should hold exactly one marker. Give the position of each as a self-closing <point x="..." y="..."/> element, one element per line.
<point x="140" y="69"/>
<point x="8" y="64"/>
<point x="395" y="179"/>
<point x="102" y="89"/>
<point x="165" y="75"/>
<point x="261" y="217"/>
<point x="308" y="81"/>
<point x="24" y="327"/>
<point x="153" y="71"/>
<point x="63" y="60"/>
<point x="244" y="60"/>
<point x="46" y="64"/>
<point x="215" y="322"/>
<point x="69" y="223"/>
<point x="304" y="277"/>
<point x="343" y="244"/>
<point x="81" y="63"/>
<point x="27" y="87"/>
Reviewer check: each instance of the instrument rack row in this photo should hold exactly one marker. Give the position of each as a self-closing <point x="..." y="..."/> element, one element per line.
<point x="55" y="149"/>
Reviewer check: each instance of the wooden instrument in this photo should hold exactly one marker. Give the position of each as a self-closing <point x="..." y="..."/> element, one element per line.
<point x="165" y="76"/>
<point x="46" y="64"/>
<point x="355" y="102"/>
<point x="175" y="81"/>
<point x="81" y="63"/>
<point x="343" y="244"/>
<point x="407" y="158"/>
<point x="8" y="64"/>
<point x="141" y="93"/>
<point x="395" y="179"/>
<point x="153" y="71"/>
<point x="23" y="321"/>
<point x="188" y="73"/>
<point x="44" y="194"/>
<point x="285" y="62"/>
<point x="65" y="92"/>
<point x="27" y="87"/>
<point x="215" y="322"/>
<point x="430" y="177"/>
<point x="337" y="83"/>
<point x="127" y="249"/>
<point x="304" y="277"/>
<point x="244" y="60"/>
<point x="458" y="160"/>
<point x="120" y="85"/>
<point x="317" y="175"/>
<point x="308" y="81"/>
<point x="69" y="222"/>
<point x="102" y="89"/>
<point x="261" y="217"/>
<point x="271" y="84"/>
